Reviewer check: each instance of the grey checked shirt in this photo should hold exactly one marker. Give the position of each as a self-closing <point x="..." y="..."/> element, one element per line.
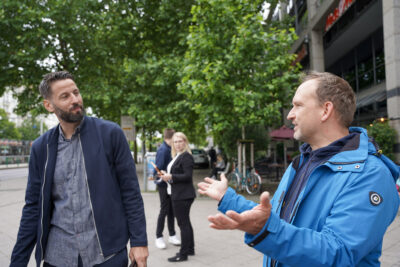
<point x="72" y="231"/>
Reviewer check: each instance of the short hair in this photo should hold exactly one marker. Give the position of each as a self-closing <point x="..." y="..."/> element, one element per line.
<point x="168" y="133"/>
<point x="49" y="78"/>
<point x="335" y="89"/>
<point x="183" y="136"/>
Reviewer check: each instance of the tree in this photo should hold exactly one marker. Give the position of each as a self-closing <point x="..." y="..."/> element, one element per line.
<point x="88" y="38"/>
<point x="151" y="75"/>
<point x="129" y="56"/>
<point x="238" y="70"/>
<point x="30" y="129"/>
<point x="125" y="55"/>
<point x="7" y="128"/>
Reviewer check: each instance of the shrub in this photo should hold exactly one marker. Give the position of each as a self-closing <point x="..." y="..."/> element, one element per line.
<point x="385" y="137"/>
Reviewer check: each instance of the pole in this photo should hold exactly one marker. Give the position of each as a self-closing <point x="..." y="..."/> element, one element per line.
<point x="252" y="155"/>
<point x="239" y="157"/>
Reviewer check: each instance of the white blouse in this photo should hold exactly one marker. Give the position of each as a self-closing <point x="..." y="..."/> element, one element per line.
<point x="169" y="172"/>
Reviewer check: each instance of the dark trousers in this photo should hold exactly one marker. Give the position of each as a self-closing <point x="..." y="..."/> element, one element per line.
<point x="165" y="211"/>
<point x="182" y="212"/>
<point x="216" y="170"/>
<point x="118" y="260"/>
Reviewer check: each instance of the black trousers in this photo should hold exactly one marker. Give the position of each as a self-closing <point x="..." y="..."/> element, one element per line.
<point x="182" y="212"/>
<point x="165" y="211"/>
<point x="216" y="170"/>
<point x="118" y="260"/>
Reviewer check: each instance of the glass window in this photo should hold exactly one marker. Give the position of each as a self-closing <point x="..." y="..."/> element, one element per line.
<point x="380" y="67"/>
<point x="379" y="56"/>
<point x="349" y="69"/>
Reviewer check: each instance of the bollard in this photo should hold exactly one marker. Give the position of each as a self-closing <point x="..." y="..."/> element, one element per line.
<point x="148" y="171"/>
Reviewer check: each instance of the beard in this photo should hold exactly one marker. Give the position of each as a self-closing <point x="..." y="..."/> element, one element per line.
<point x="68" y="116"/>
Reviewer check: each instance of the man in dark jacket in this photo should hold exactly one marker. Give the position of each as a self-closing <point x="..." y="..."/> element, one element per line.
<point x="163" y="157"/>
<point x="83" y="200"/>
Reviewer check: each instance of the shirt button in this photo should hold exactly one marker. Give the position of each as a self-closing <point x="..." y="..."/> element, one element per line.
<point x="357" y="166"/>
<point x="339" y="167"/>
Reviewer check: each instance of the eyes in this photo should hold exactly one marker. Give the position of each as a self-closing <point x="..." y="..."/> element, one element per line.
<point x="65" y="95"/>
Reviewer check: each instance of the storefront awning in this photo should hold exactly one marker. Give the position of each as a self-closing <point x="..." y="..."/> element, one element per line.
<point x="371" y="98"/>
<point x="283" y="133"/>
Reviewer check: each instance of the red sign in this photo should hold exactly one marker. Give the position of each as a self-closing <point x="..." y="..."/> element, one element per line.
<point x="337" y="13"/>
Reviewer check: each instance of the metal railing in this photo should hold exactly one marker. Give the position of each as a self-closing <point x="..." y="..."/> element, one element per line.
<point x="8" y="161"/>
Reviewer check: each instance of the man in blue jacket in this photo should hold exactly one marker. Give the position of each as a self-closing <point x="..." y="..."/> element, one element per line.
<point x="83" y="201"/>
<point x="163" y="158"/>
<point x="334" y="202"/>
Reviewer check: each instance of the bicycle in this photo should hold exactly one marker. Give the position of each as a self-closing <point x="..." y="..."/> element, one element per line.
<point x="252" y="181"/>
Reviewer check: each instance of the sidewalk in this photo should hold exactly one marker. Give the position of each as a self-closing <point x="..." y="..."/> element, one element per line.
<point x="213" y="248"/>
<point x="12" y="166"/>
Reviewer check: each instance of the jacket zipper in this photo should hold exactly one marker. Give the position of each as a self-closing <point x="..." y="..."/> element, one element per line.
<point x="90" y="199"/>
<point x="41" y="220"/>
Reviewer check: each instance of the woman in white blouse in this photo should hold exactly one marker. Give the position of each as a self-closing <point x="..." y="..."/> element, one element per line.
<point x="179" y="176"/>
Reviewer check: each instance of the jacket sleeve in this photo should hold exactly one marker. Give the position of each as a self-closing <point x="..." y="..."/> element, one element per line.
<point x="160" y="160"/>
<point x="130" y="191"/>
<point x="27" y="233"/>
<point x="235" y="202"/>
<point x="187" y="166"/>
<point x="353" y="229"/>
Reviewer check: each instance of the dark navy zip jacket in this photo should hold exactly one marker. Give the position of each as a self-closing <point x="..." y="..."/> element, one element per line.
<point x="115" y="197"/>
<point x="163" y="158"/>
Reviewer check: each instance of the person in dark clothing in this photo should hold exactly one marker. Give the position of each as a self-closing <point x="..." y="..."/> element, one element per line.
<point x="180" y="175"/>
<point x="213" y="157"/>
<point x="163" y="157"/>
<point x="219" y="167"/>
<point x="83" y="201"/>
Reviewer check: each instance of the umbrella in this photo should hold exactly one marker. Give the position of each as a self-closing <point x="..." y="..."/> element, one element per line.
<point x="282" y="134"/>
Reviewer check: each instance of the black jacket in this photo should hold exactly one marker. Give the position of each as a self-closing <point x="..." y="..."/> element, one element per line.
<point x="182" y="177"/>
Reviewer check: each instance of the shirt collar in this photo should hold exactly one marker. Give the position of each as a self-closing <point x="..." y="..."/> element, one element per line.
<point x="77" y="131"/>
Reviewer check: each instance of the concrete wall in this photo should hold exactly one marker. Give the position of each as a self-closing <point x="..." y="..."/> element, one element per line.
<point x="391" y="32"/>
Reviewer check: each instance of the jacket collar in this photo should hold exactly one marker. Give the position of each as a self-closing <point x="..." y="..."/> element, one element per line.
<point x="356" y="150"/>
<point x="55" y="131"/>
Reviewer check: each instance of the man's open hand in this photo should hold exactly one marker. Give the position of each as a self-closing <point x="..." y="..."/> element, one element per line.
<point x="213" y="188"/>
<point x="250" y="221"/>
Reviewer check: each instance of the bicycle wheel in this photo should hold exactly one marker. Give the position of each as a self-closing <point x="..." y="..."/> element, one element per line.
<point x="233" y="181"/>
<point x="253" y="183"/>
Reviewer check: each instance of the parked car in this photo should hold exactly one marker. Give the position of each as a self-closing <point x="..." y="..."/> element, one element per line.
<point x="200" y="158"/>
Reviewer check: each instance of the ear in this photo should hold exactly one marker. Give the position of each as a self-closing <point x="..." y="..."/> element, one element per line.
<point x="48" y="106"/>
<point x="327" y="111"/>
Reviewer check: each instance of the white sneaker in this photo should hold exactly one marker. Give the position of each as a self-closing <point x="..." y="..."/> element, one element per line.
<point x="160" y="243"/>
<point x="174" y="240"/>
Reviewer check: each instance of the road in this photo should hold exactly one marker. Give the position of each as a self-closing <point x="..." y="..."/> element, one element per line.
<point x="16" y="173"/>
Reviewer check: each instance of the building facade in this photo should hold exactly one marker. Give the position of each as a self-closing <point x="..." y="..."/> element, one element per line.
<point x="358" y="40"/>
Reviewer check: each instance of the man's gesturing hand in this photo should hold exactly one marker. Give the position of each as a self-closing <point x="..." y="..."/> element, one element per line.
<point x="250" y="221"/>
<point x="213" y="188"/>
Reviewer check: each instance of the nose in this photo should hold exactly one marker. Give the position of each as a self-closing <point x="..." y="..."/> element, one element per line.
<point x="75" y="98"/>
<point x="290" y="115"/>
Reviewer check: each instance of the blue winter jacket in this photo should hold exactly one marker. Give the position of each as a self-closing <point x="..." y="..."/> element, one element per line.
<point x="340" y="216"/>
<point x="114" y="192"/>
